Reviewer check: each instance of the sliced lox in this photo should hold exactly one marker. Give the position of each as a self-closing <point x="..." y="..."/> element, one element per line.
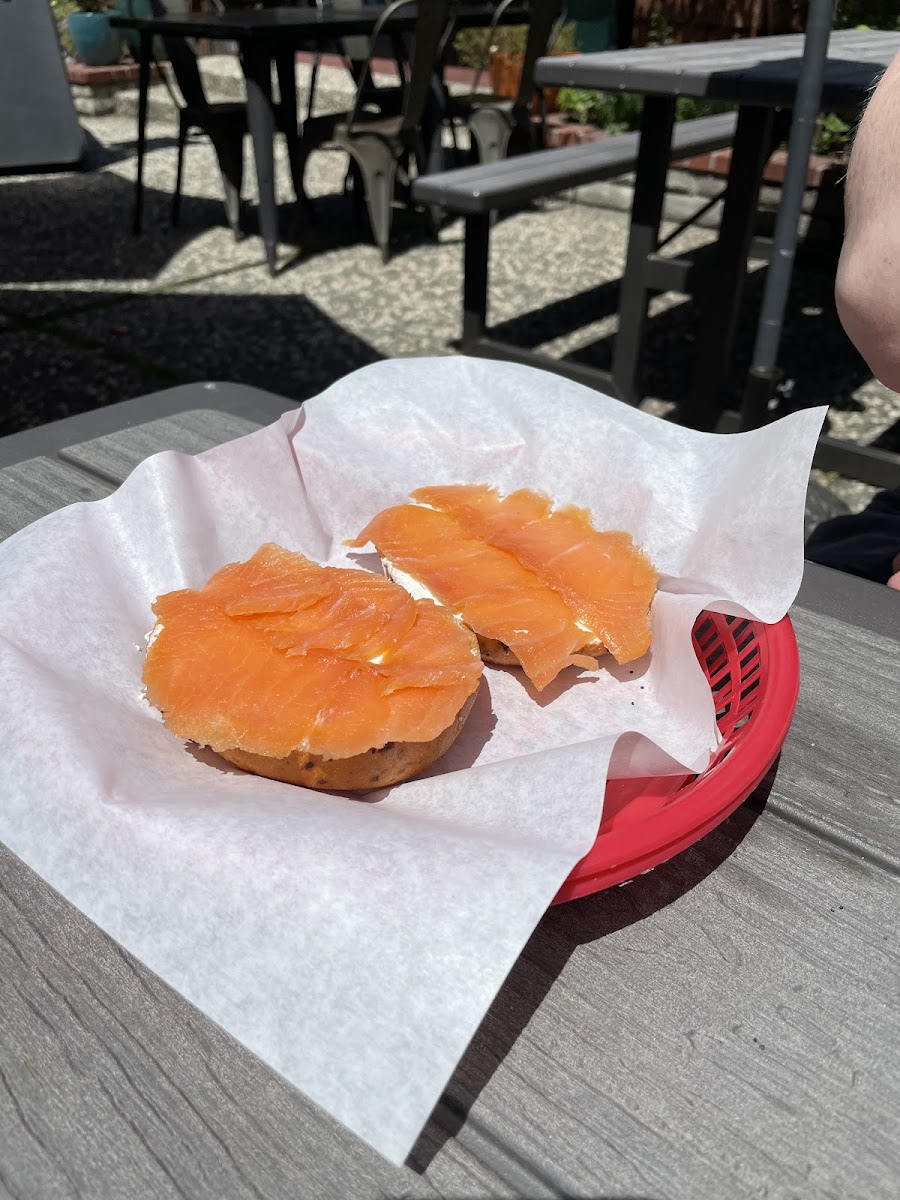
<point x="606" y="580"/>
<point x="494" y="593"/>
<point x="279" y="654"/>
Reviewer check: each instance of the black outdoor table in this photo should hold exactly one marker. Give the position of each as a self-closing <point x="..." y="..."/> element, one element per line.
<point x="261" y="35"/>
<point x="723" y="1028"/>
<point x="759" y="75"/>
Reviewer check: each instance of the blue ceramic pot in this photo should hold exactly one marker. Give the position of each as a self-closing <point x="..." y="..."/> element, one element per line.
<point x="96" y="44"/>
<point x="137" y="8"/>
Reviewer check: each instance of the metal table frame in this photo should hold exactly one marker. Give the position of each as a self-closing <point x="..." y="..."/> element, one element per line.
<point x="264" y="36"/>
<point x="760" y="76"/>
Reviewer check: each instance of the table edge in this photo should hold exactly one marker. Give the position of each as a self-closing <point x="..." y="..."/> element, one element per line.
<point x="253" y="404"/>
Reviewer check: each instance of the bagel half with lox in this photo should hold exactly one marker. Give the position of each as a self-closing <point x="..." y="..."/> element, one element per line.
<point x="326" y="677"/>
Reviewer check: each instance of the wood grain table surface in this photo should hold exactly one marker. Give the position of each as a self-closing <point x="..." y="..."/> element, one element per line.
<point x="726" y="1026"/>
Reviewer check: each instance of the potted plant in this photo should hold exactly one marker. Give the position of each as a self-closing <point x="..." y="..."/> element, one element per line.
<point x="507" y="57"/>
<point x="96" y="43"/>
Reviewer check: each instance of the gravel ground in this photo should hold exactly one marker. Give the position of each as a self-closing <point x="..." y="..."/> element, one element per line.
<point x="90" y="315"/>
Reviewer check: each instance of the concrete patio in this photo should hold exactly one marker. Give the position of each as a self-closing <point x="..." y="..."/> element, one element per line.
<point x="90" y="315"/>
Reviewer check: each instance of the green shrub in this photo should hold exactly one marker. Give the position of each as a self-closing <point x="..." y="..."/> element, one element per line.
<point x="876" y="14"/>
<point x="834" y="134"/>
<point x="612" y="111"/>
<point x="687" y="108"/>
<point x="61" y="10"/>
<point x="618" y="111"/>
<point x="567" y="42"/>
<point x="473" y="46"/>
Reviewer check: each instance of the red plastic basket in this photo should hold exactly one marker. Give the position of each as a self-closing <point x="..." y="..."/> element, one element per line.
<point x="754" y="673"/>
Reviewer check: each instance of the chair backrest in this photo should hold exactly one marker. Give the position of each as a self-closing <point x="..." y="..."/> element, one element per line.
<point x="432" y="18"/>
<point x="178" y="51"/>
<point x="485" y="61"/>
<point x="431" y="21"/>
<point x="543" y="21"/>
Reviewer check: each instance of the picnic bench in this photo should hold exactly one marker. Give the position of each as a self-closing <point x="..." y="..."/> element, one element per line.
<point x="480" y="191"/>
<point x="724" y="1026"/>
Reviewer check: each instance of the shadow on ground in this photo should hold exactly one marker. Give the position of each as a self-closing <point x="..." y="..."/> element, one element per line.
<point x="85" y="359"/>
<point x="89" y="317"/>
<point x="811" y="320"/>
<point x="91" y="314"/>
<point x="60" y="228"/>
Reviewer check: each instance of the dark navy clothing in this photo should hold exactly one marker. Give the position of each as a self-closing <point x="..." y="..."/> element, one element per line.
<point x="863" y="543"/>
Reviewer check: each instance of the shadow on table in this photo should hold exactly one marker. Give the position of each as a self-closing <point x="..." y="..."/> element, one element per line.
<point x="815" y="351"/>
<point x="850" y="78"/>
<point x="563" y="929"/>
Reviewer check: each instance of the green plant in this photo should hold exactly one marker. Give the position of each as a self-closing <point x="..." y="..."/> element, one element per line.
<point x="61" y="10"/>
<point x="618" y="111"/>
<point x="834" y="134"/>
<point x="567" y="41"/>
<point x="612" y="111"/>
<point x="473" y="46"/>
<point x="661" y="31"/>
<point x="688" y="108"/>
<point x="875" y="14"/>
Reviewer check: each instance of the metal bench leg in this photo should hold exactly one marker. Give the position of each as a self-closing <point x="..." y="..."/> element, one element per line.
<point x="475" y="278"/>
<point x="720" y="301"/>
<point x="657" y="119"/>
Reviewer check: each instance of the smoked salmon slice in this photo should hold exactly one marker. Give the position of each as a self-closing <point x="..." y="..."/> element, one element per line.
<point x="539" y="579"/>
<point x="279" y="654"/>
<point x="605" y="579"/>
<point x="493" y="592"/>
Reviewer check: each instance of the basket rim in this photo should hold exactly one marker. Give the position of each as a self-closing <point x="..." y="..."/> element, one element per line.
<point x="711" y="796"/>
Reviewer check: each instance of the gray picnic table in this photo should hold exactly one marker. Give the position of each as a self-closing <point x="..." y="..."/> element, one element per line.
<point x="724" y="1026"/>
<point x="760" y="76"/>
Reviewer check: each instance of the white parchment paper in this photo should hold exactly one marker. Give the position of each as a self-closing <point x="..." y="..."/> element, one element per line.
<point x="355" y="946"/>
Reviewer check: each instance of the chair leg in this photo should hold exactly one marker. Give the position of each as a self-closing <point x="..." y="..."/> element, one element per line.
<point x="297" y="158"/>
<point x="176" y="195"/>
<point x="313" y="79"/>
<point x="378" y="165"/>
<point x="353" y="183"/>
<point x="287" y="120"/>
<point x="476" y="258"/>
<point x="229" y="148"/>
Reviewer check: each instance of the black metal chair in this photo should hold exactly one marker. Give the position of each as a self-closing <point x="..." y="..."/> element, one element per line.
<point x="382" y="146"/>
<point x="223" y="122"/>
<point x="502" y="127"/>
<point x="355" y="52"/>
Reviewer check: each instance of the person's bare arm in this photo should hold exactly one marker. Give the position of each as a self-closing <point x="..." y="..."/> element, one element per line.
<point x="868" y="279"/>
